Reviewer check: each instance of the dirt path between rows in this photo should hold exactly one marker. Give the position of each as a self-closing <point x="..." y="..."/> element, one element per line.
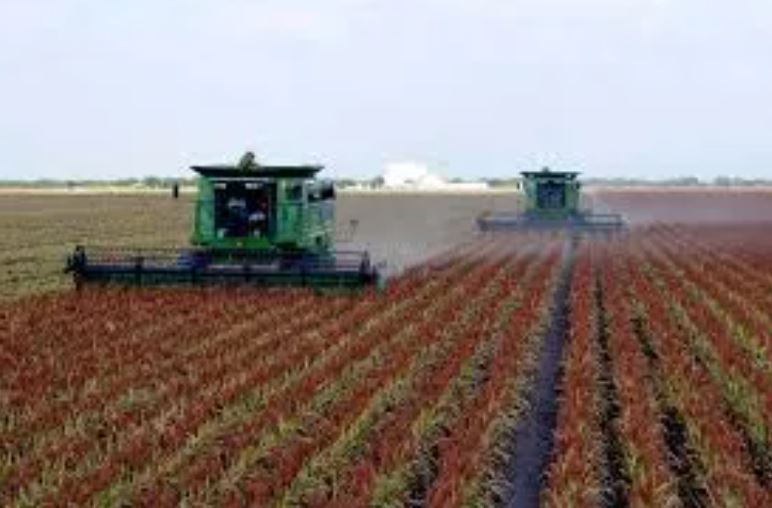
<point x="533" y="438"/>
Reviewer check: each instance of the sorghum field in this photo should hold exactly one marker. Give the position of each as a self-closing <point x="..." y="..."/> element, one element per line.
<point x="531" y="368"/>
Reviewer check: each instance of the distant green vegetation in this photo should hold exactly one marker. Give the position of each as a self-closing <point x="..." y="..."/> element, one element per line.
<point x="148" y="182"/>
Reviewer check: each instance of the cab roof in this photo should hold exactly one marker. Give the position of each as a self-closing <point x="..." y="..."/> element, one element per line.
<point x="257" y="171"/>
<point x="547" y="173"/>
<point x="249" y="167"/>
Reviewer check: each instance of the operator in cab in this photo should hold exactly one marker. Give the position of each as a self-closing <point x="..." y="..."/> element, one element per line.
<point x="238" y="217"/>
<point x="258" y="219"/>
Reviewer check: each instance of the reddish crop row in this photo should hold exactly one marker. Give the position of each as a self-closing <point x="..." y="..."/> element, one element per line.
<point x="666" y="398"/>
<point x="573" y="478"/>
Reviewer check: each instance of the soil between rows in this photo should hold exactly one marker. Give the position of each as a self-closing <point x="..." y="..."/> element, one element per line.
<point x="533" y="439"/>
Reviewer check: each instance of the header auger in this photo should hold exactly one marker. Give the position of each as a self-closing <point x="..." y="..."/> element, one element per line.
<point x="552" y="202"/>
<point x="253" y="224"/>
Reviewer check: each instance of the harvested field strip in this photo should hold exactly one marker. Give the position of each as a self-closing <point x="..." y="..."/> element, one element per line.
<point x="36" y="266"/>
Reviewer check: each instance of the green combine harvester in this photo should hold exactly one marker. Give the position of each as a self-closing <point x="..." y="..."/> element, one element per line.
<point x="255" y="224"/>
<point x="552" y="201"/>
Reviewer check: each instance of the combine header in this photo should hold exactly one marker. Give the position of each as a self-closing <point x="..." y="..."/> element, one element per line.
<point x="552" y="201"/>
<point x="255" y="224"/>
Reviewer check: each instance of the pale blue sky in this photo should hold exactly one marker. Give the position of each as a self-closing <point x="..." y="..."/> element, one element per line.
<point x="98" y="88"/>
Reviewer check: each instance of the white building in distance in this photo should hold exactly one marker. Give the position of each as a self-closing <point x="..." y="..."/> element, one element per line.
<point x="410" y="175"/>
<point x="416" y="176"/>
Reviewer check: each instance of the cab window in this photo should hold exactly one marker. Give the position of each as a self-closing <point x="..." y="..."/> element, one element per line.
<point x="328" y="191"/>
<point x="294" y="192"/>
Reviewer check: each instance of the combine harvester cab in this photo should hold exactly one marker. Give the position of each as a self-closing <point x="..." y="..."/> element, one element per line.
<point x="253" y="224"/>
<point x="552" y="202"/>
